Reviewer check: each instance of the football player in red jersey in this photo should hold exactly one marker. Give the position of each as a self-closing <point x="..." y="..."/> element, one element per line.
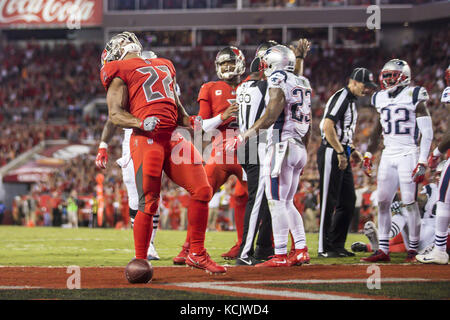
<point x="218" y="109"/>
<point x="141" y="95"/>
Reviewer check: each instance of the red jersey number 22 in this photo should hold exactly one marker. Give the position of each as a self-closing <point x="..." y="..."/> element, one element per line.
<point x="152" y="91"/>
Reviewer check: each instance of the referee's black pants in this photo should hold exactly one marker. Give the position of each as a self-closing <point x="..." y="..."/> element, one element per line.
<point x="256" y="220"/>
<point x="337" y="200"/>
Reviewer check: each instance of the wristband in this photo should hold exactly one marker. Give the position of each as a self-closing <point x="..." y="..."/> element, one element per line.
<point x="300" y="57"/>
<point x="103" y="145"/>
<point x="339" y="153"/>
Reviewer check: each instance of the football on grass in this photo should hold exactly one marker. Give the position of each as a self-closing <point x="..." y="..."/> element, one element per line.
<point x="139" y="271"/>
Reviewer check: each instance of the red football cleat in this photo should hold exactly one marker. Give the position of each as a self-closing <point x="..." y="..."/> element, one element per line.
<point x="278" y="260"/>
<point x="299" y="257"/>
<point x="233" y="253"/>
<point x="411" y="256"/>
<point x="378" y="255"/>
<point x="180" y="259"/>
<point x="203" y="261"/>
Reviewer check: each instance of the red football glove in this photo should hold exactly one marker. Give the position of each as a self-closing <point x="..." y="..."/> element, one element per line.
<point x="433" y="161"/>
<point x="367" y="164"/>
<point x="233" y="144"/>
<point x="102" y="158"/>
<point x="419" y="173"/>
<point x="196" y="122"/>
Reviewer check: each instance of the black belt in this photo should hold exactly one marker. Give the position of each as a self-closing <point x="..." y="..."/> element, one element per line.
<point x="346" y="147"/>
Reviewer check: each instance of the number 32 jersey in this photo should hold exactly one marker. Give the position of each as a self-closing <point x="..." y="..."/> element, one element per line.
<point x="295" y="119"/>
<point x="150" y="88"/>
<point x="398" y="119"/>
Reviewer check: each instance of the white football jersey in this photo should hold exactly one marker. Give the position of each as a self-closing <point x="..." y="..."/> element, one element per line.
<point x="446" y="95"/>
<point x="398" y="119"/>
<point x="295" y="119"/>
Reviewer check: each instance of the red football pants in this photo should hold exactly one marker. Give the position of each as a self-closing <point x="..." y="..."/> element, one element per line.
<point x="218" y="174"/>
<point x="176" y="158"/>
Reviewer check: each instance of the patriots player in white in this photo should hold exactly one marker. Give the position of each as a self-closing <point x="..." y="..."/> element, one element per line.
<point x="439" y="255"/>
<point x="403" y="115"/>
<point x="399" y="221"/>
<point x="287" y="118"/>
<point x="126" y="163"/>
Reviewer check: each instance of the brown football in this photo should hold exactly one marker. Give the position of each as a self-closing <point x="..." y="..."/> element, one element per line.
<point x="139" y="271"/>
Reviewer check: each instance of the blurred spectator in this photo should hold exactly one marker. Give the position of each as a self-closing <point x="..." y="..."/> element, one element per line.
<point x="2" y="211"/>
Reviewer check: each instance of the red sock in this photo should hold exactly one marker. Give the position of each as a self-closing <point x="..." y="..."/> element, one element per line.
<point x="197" y="221"/>
<point x="142" y="232"/>
<point x="239" y="216"/>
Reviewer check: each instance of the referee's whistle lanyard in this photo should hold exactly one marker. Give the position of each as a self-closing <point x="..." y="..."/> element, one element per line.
<point x="348" y="150"/>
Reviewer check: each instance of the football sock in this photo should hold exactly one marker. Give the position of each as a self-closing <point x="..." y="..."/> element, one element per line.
<point x="155" y="225"/>
<point x="296" y="226"/>
<point x="142" y="232"/>
<point x="413" y="221"/>
<point x="442" y="223"/>
<point x="280" y="225"/>
<point x="397" y="224"/>
<point x="197" y="221"/>
<point x="384" y="225"/>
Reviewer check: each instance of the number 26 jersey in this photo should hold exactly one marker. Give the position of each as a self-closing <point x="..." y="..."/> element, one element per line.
<point x="398" y="119"/>
<point x="150" y="88"/>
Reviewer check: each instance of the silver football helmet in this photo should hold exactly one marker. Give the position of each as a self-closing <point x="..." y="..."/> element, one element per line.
<point x="262" y="48"/>
<point x="276" y="58"/>
<point x="230" y="54"/>
<point x="148" y="55"/>
<point x="395" y="73"/>
<point x="119" y="46"/>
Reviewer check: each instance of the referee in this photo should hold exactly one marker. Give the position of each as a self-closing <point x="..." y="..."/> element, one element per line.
<point x="337" y="189"/>
<point x="252" y="98"/>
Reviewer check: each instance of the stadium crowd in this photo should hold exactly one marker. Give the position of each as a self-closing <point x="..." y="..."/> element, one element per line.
<point x="33" y="103"/>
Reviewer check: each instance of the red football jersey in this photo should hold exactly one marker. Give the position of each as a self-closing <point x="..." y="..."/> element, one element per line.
<point x="150" y="88"/>
<point x="218" y="96"/>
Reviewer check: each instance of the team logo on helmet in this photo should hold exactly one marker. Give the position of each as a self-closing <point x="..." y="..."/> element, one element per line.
<point x="230" y="54"/>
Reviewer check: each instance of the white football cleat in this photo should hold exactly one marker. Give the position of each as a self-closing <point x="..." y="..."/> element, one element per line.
<point x="371" y="232"/>
<point x="435" y="256"/>
<point x="152" y="254"/>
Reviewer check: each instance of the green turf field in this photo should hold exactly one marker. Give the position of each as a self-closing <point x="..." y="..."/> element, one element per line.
<point x="48" y="246"/>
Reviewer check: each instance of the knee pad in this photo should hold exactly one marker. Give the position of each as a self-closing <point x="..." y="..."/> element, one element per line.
<point x="384" y="206"/>
<point x="204" y="193"/>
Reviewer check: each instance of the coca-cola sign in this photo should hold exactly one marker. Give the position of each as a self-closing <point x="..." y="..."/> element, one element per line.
<point x="71" y="13"/>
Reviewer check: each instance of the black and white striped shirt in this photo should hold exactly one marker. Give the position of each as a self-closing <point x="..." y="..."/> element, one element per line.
<point x="252" y="97"/>
<point x="341" y="108"/>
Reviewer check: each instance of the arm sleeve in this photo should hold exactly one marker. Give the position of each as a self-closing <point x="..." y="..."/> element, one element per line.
<point x="426" y="129"/>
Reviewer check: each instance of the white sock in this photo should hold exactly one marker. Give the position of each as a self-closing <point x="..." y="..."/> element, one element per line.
<point x="397" y="224"/>
<point x="413" y="221"/>
<point x="442" y="222"/>
<point x="384" y="225"/>
<point x="280" y="225"/>
<point x="296" y="226"/>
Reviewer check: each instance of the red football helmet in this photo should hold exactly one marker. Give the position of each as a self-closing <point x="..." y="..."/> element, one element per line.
<point x="230" y="54"/>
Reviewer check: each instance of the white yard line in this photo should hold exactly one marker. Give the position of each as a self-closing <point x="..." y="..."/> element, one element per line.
<point x="235" y="286"/>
